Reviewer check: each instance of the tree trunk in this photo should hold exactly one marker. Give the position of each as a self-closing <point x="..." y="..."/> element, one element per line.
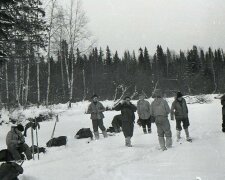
<point x="214" y="77"/>
<point x="27" y="83"/>
<point x="84" y="84"/>
<point x="38" y="83"/>
<point x="16" y="82"/>
<point x="7" y="83"/>
<point x="71" y="82"/>
<point x="21" y="82"/>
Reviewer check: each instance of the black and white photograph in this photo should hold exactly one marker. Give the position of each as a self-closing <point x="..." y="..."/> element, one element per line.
<point x="112" y="90"/>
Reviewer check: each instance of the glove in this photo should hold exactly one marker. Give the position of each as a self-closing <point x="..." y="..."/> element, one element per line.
<point x="172" y="118"/>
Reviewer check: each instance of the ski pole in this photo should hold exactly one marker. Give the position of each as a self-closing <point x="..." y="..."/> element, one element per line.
<point x="32" y="139"/>
<point x="37" y="137"/>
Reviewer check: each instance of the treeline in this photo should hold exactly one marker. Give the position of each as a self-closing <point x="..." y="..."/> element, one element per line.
<point x="72" y="70"/>
<point x="106" y="73"/>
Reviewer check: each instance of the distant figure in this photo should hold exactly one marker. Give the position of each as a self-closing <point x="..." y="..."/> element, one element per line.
<point x="127" y="111"/>
<point x="223" y="112"/>
<point x="143" y="110"/>
<point x="96" y="110"/>
<point x="180" y="109"/>
<point x="160" y="110"/>
<point x="16" y="143"/>
<point x="117" y="123"/>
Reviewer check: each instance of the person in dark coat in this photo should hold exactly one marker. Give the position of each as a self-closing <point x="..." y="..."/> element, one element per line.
<point x="96" y="110"/>
<point x="127" y="111"/>
<point x="180" y="110"/>
<point x="16" y="143"/>
<point x="223" y="112"/>
<point x="117" y="123"/>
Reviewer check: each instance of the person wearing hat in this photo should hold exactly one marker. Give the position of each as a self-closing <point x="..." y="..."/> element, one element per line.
<point x="127" y="111"/>
<point x="143" y="110"/>
<point x="96" y="110"/>
<point x="16" y="143"/>
<point x="160" y="110"/>
<point x="180" y="110"/>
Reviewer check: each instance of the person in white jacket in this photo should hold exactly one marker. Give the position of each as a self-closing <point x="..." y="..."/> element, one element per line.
<point x="160" y="110"/>
<point x="143" y="110"/>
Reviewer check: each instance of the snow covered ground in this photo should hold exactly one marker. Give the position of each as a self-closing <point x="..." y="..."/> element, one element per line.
<point x="109" y="159"/>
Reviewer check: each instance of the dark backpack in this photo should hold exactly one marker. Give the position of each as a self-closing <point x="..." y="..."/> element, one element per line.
<point x="59" y="141"/>
<point x="110" y="129"/>
<point x="84" y="133"/>
<point x="36" y="149"/>
<point x="10" y="171"/>
<point x="5" y="155"/>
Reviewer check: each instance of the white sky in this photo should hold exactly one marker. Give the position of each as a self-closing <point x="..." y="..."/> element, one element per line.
<point x="177" y="24"/>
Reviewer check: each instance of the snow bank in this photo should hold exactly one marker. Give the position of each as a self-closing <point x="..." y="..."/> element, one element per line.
<point x="110" y="159"/>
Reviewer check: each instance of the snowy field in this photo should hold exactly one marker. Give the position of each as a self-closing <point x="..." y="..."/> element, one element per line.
<point x="109" y="159"/>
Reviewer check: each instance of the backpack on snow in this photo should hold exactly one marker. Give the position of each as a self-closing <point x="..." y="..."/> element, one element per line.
<point x="84" y="133"/>
<point x="10" y="171"/>
<point x="111" y="130"/>
<point x="5" y="155"/>
<point x="38" y="149"/>
<point x="59" y="141"/>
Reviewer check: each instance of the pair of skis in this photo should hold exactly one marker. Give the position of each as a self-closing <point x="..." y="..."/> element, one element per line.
<point x="32" y="139"/>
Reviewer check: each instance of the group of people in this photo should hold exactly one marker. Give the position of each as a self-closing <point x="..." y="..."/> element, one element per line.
<point x="157" y="111"/>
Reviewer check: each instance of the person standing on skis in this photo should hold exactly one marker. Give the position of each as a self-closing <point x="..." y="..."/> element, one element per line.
<point x="160" y="110"/>
<point x="143" y="110"/>
<point x="96" y="110"/>
<point x="180" y="110"/>
<point x="127" y="111"/>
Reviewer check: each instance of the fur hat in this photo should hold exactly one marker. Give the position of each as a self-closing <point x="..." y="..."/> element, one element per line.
<point x="179" y="94"/>
<point x="95" y="95"/>
<point x="20" y="127"/>
<point x="126" y="97"/>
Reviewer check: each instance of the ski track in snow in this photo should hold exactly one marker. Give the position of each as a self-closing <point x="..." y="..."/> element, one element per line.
<point x="109" y="159"/>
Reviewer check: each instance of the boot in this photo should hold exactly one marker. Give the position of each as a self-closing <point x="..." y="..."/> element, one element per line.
<point x="187" y="135"/>
<point x="178" y="136"/>
<point x="162" y="143"/>
<point x="128" y="141"/>
<point x="168" y="142"/>
<point x="149" y="130"/>
<point x="144" y="130"/>
<point x="105" y="134"/>
<point x="96" y="135"/>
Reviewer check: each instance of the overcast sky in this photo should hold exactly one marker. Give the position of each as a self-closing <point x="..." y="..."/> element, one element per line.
<point x="177" y="24"/>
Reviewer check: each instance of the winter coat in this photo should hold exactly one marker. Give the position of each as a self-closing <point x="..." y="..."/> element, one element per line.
<point x="96" y="110"/>
<point x="127" y="111"/>
<point x="143" y="109"/>
<point x="14" y="138"/>
<point x="128" y="117"/>
<point x="160" y="107"/>
<point x="223" y="104"/>
<point x="180" y="108"/>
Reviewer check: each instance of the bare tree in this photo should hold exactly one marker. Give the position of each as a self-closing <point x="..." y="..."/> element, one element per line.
<point x="50" y="30"/>
<point x="77" y="34"/>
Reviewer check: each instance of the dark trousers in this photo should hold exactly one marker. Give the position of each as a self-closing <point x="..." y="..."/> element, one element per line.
<point x="17" y="150"/>
<point x="98" y="123"/>
<point x="128" y="128"/>
<point x="185" y="122"/>
<point x="146" y="123"/>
